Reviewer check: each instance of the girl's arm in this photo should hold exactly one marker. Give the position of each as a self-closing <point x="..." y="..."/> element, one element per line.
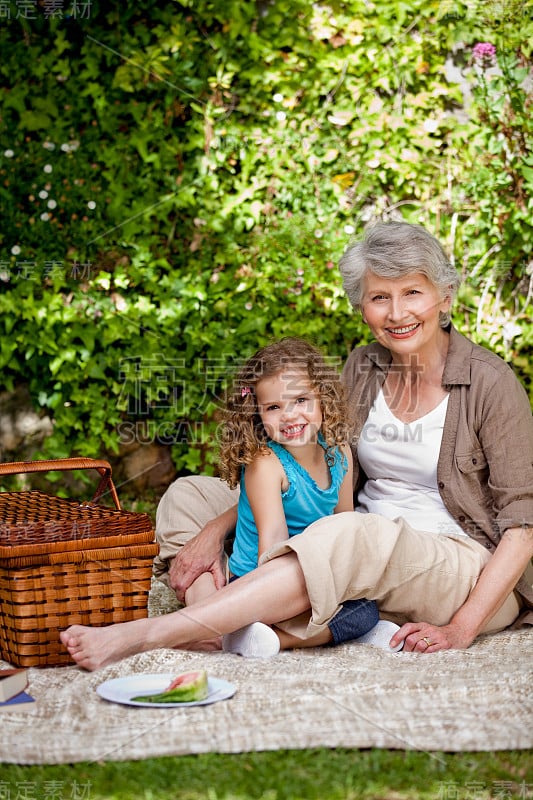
<point x="264" y="479"/>
<point x="346" y="489"/>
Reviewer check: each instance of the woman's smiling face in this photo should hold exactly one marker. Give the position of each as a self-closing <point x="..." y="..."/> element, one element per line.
<point x="403" y="313"/>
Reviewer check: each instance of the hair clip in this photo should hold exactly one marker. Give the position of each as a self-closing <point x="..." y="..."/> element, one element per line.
<point x="245" y="390"/>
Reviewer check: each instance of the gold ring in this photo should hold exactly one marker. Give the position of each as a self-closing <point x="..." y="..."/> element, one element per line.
<point x="427" y="641"/>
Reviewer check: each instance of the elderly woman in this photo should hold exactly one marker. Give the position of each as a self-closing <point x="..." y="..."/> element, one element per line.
<point x="443" y="449"/>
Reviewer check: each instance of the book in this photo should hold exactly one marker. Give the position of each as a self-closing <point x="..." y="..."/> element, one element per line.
<point x="12" y="681"/>
<point x="20" y="702"/>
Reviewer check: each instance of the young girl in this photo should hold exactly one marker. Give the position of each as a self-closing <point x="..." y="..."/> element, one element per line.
<point x="285" y="442"/>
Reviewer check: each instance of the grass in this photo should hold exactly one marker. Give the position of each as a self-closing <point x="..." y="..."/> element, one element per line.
<point x="282" y="775"/>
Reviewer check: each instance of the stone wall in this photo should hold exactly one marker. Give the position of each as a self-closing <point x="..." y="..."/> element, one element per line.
<point x="137" y="467"/>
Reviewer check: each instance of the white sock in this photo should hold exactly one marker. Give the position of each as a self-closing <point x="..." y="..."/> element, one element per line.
<point x="253" y="641"/>
<point x="380" y="636"/>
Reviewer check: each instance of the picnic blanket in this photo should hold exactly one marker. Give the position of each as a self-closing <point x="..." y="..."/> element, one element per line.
<point x="351" y="696"/>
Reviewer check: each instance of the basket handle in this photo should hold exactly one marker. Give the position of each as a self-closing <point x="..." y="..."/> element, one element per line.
<point x="103" y="467"/>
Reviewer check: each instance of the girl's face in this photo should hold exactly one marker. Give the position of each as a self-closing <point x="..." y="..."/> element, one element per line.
<point x="403" y="313"/>
<point x="289" y="408"/>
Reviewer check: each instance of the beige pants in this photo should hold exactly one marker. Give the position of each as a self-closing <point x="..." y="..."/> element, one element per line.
<point x="413" y="575"/>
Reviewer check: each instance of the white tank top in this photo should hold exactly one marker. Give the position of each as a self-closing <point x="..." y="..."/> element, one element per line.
<point x="400" y="461"/>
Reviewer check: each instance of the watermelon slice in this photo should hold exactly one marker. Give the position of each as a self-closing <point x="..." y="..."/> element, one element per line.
<point x="185" y="688"/>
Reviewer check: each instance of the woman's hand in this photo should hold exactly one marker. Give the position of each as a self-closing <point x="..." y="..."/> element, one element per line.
<point x="203" y="553"/>
<point x="421" y="637"/>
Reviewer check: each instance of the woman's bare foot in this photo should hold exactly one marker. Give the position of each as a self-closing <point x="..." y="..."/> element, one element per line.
<point x="92" y="648"/>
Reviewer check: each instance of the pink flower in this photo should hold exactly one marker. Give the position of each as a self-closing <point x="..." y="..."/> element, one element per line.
<point x="484" y="52"/>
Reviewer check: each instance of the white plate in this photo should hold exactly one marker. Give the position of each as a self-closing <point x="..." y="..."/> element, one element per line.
<point x="121" y="690"/>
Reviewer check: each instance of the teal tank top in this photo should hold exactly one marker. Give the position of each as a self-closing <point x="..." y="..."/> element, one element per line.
<point x="303" y="503"/>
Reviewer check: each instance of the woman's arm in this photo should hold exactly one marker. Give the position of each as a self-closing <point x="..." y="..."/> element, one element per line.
<point x="497" y="580"/>
<point x="264" y="479"/>
<point x="504" y="428"/>
<point x="495" y="583"/>
<point x="346" y="489"/>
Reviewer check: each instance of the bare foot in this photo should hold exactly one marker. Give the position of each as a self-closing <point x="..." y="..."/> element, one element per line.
<point x="92" y="648"/>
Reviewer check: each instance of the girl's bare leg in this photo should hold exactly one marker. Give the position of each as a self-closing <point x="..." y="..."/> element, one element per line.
<point x="289" y="642"/>
<point x="274" y="591"/>
<point x="202" y="587"/>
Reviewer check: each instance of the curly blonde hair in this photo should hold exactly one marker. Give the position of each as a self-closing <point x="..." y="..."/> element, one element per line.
<point x="243" y="435"/>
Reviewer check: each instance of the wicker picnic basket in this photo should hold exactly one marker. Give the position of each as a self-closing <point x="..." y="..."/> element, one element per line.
<point x="64" y="562"/>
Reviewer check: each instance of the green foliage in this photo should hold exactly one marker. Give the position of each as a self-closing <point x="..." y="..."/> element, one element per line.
<point x="498" y="192"/>
<point x="178" y="181"/>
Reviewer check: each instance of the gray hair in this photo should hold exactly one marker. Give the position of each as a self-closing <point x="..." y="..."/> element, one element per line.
<point x="393" y="250"/>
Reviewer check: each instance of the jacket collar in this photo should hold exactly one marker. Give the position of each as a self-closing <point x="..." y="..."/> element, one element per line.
<point x="457" y="369"/>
